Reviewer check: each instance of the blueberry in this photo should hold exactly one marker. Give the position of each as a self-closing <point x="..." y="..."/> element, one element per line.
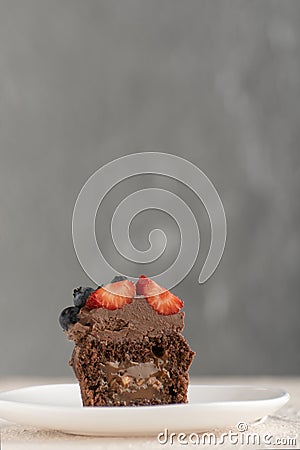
<point x="119" y="278"/>
<point x="80" y="295"/>
<point x="68" y="317"/>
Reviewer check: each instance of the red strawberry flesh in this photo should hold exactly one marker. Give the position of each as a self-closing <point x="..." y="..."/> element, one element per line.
<point x="112" y="296"/>
<point x="161" y="300"/>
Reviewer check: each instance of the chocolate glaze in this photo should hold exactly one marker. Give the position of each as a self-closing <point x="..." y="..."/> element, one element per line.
<point x="132" y="321"/>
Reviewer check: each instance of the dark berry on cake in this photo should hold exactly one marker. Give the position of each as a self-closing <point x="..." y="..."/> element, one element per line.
<point x="129" y="349"/>
<point x="68" y="317"/>
<point x="80" y="295"/>
<point x="118" y="278"/>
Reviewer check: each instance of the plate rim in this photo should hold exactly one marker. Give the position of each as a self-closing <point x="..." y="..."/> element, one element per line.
<point x="138" y="421"/>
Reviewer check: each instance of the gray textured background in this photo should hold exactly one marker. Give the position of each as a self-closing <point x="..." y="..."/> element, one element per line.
<point x="83" y="82"/>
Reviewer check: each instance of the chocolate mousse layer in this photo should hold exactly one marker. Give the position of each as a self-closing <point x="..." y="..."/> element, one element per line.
<point x="133" y="322"/>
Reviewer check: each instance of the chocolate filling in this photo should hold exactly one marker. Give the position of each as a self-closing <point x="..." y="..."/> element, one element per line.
<point x="134" y="380"/>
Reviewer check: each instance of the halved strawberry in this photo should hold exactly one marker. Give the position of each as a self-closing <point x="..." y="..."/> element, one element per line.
<point x="112" y="296"/>
<point x="161" y="300"/>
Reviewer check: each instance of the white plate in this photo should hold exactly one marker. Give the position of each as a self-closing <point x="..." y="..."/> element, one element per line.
<point x="59" y="407"/>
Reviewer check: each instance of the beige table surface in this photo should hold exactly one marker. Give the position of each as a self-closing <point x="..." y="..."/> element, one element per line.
<point x="283" y="425"/>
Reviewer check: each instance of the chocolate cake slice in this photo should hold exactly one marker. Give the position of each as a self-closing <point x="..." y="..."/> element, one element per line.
<point x="129" y="349"/>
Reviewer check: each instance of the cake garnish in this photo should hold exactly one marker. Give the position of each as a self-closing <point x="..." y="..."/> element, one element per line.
<point x="118" y="278"/>
<point x="68" y="317"/>
<point x="161" y="300"/>
<point x="80" y="295"/>
<point x="112" y="296"/>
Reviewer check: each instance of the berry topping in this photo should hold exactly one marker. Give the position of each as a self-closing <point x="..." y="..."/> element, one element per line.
<point x="112" y="296"/>
<point x="68" y="317"/>
<point x="80" y="295"/>
<point x="161" y="300"/>
<point x="119" y="278"/>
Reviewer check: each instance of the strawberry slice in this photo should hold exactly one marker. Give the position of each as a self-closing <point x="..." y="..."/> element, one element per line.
<point x="112" y="296"/>
<point x="161" y="300"/>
